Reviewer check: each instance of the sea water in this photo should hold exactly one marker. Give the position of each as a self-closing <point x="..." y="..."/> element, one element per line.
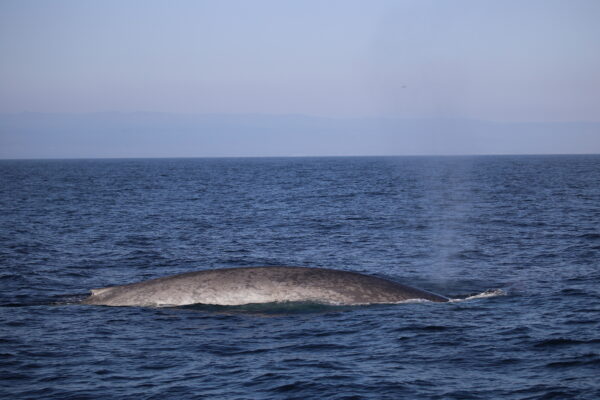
<point x="514" y="240"/>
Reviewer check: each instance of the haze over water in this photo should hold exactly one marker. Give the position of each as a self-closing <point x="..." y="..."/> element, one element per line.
<point x="467" y="68"/>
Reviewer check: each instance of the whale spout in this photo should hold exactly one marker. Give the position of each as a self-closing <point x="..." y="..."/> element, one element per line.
<point x="239" y="286"/>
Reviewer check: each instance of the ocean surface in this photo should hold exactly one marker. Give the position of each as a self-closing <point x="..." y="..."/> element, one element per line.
<point x="515" y="240"/>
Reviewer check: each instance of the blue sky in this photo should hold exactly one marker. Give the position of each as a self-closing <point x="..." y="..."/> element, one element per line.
<point x="490" y="60"/>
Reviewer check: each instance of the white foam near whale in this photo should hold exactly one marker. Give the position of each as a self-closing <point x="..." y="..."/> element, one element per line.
<point x="239" y="286"/>
<point x="482" y="295"/>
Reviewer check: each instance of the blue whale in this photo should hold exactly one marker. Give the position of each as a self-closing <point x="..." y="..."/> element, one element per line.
<point x="238" y="286"/>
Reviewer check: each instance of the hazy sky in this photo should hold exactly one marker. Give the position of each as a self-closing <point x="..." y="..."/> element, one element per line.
<point x="495" y="60"/>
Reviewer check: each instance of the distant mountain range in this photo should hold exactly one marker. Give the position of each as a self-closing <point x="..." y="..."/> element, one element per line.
<point x="142" y="134"/>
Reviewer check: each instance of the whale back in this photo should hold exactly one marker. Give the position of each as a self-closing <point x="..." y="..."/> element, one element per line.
<point x="237" y="286"/>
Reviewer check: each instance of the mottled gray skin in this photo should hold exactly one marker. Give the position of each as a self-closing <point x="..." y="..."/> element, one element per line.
<point x="237" y="286"/>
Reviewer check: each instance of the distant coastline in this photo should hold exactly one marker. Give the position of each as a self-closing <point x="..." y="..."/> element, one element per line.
<point x="169" y="135"/>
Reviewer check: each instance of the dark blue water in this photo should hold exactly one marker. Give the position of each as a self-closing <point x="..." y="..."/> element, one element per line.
<point x="458" y="226"/>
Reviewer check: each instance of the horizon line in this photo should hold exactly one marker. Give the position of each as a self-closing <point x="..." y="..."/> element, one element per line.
<point x="300" y="156"/>
<point x="298" y="114"/>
